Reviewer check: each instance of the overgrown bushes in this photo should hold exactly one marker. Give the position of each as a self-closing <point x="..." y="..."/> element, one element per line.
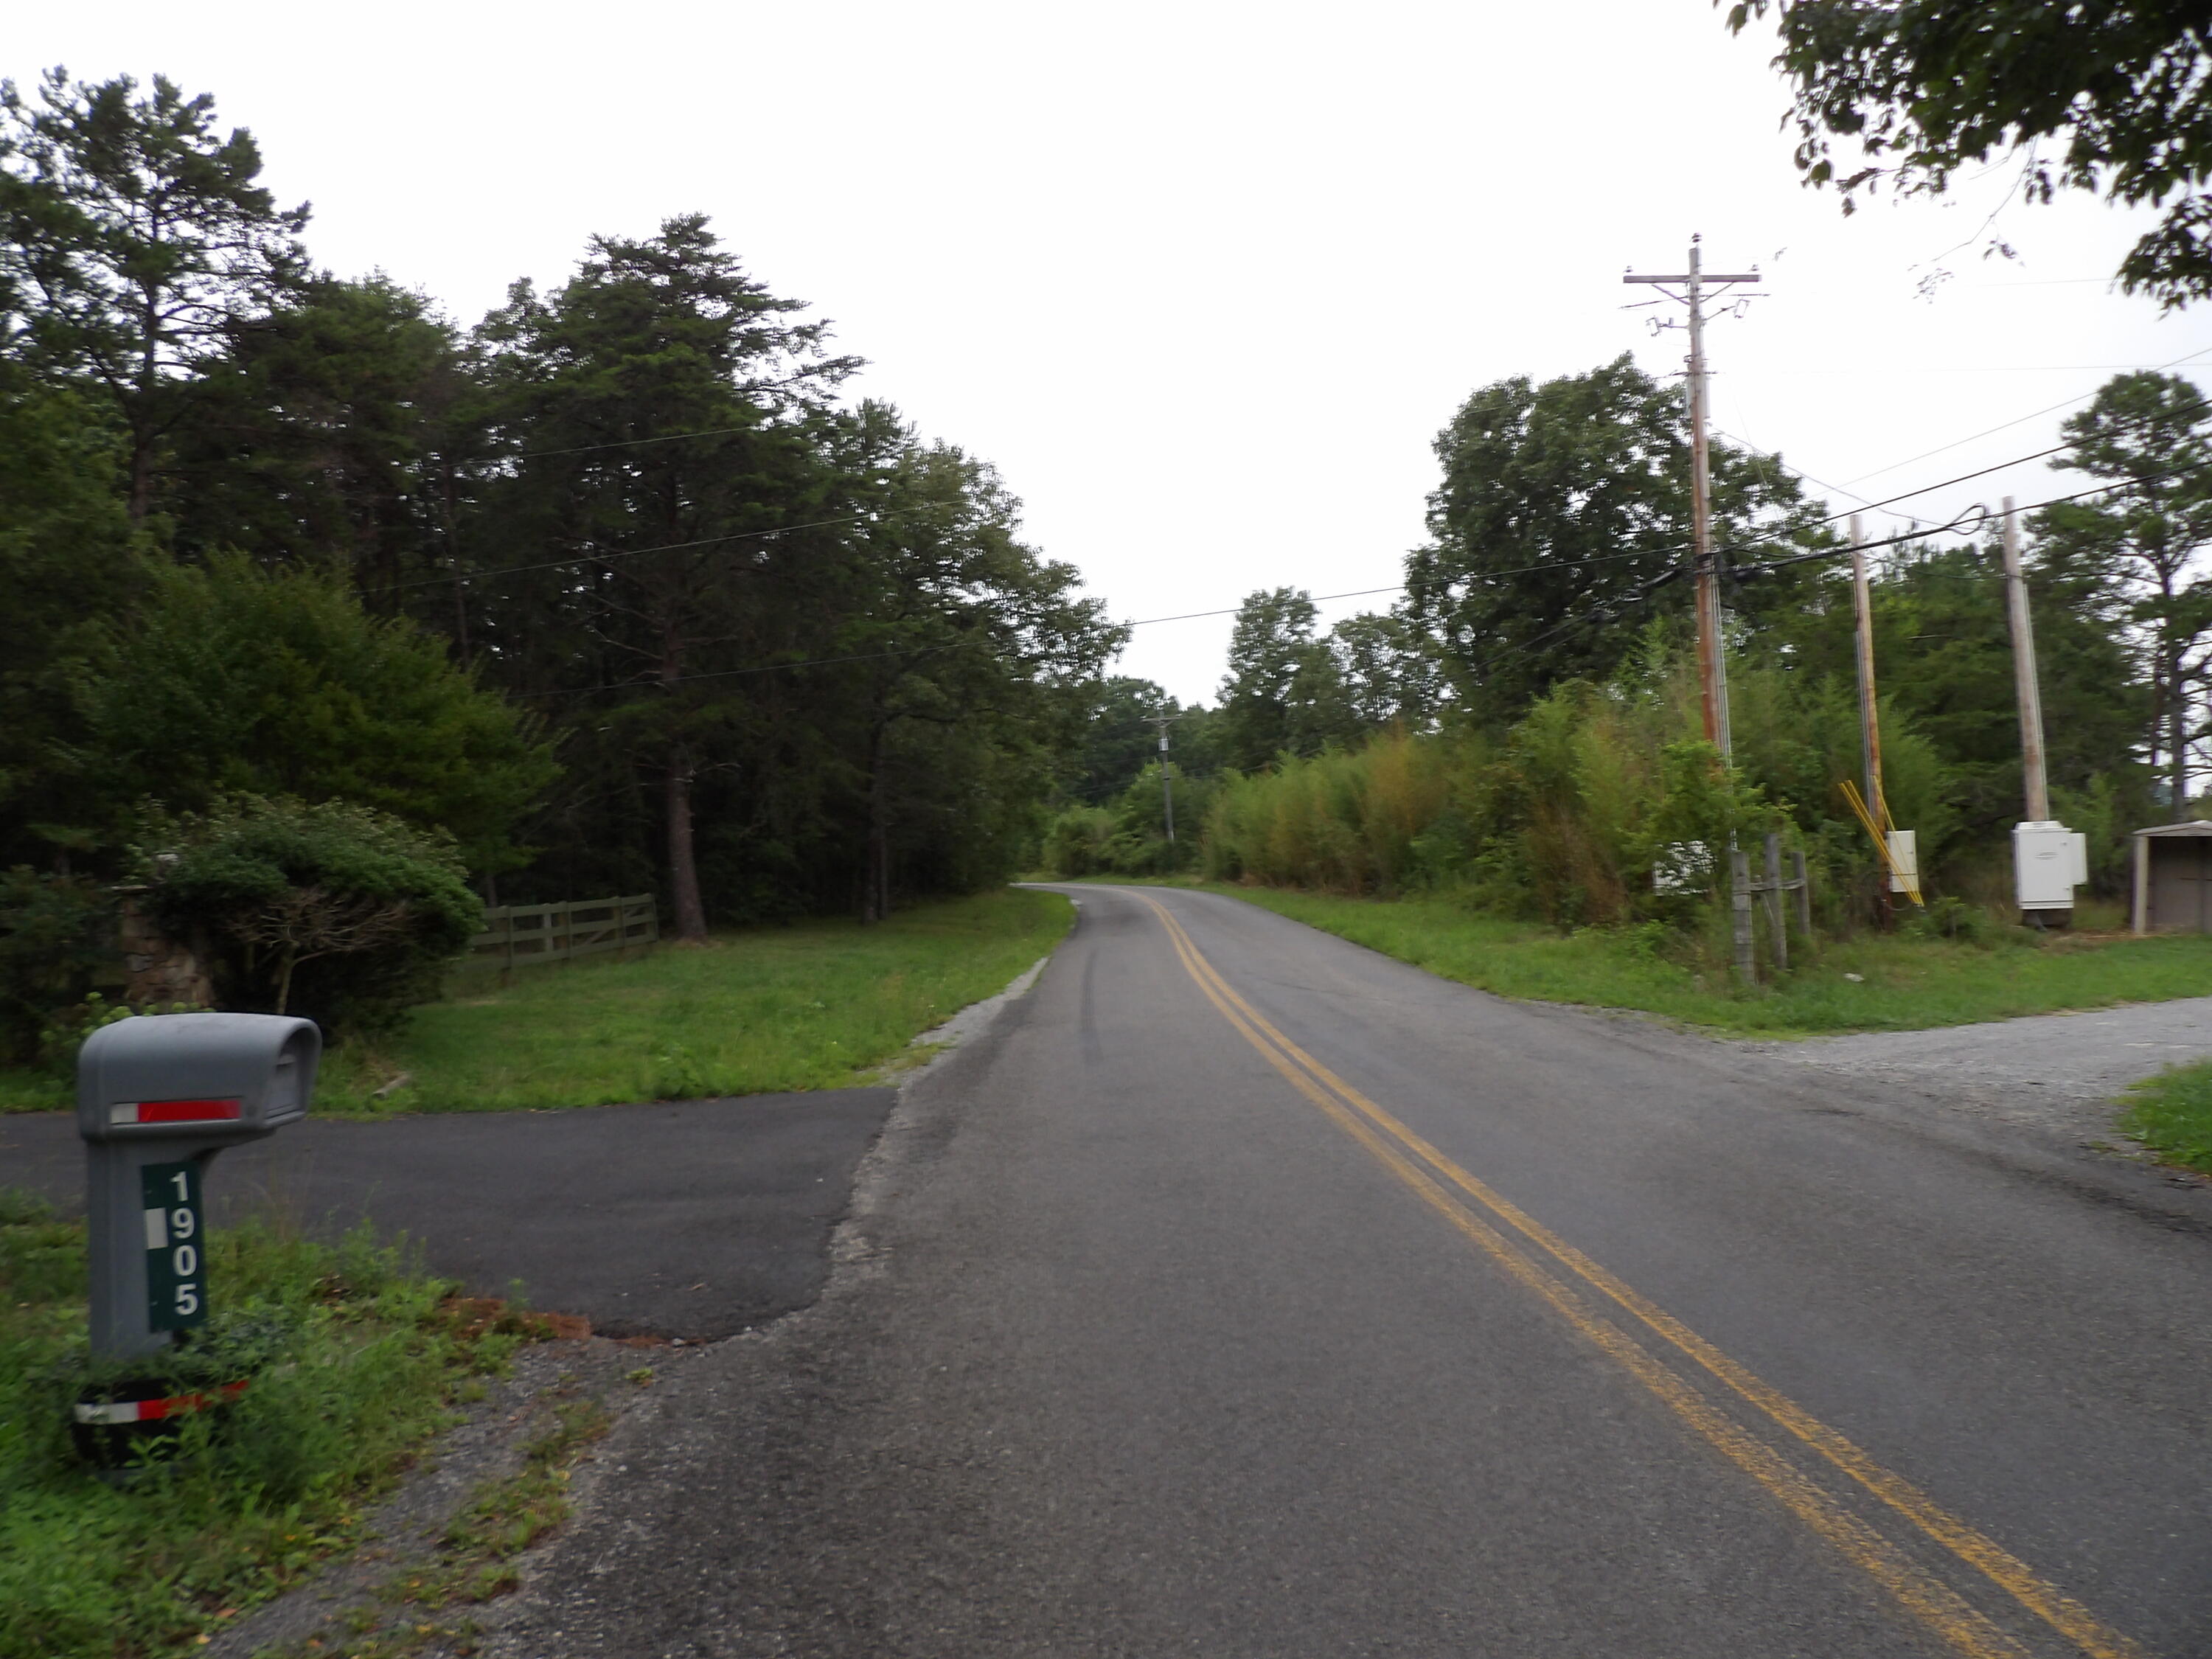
<point x="338" y="912"/>
<point x="1129" y="837"/>
<point x="1567" y="816"/>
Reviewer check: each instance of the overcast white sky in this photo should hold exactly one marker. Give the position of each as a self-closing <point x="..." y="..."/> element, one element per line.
<point x="1203" y="280"/>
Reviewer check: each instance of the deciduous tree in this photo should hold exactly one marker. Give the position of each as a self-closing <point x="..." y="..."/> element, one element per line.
<point x="2108" y="96"/>
<point x="1564" y="508"/>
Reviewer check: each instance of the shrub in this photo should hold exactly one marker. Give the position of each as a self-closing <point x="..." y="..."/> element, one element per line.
<point x="229" y="680"/>
<point x="1129" y="837"/>
<point x="56" y="936"/>
<point x="1075" y="843"/>
<point x="336" y="911"/>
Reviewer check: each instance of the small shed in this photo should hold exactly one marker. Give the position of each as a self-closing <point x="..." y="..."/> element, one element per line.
<point x="2173" y="878"/>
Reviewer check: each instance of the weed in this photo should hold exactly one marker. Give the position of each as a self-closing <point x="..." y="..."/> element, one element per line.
<point x="354" y="1360"/>
<point x="2171" y="1115"/>
<point x="476" y="1559"/>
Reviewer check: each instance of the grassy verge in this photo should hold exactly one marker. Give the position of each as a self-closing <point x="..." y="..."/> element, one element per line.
<point x="356" y="1361"/>
<point x="1902" y="983"/>
<point x="2171" y="1115"/>
<point x="810" y="1006"/>
<point x="430" y="1607"/>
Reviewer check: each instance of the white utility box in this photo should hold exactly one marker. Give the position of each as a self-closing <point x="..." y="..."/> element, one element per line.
<point x="1904" y="861"/>
<point x="2049" y="861"/>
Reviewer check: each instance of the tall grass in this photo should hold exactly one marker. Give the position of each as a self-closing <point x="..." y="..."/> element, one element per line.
<point x="1570" y="815"/>
<point x="1340" y="823"/>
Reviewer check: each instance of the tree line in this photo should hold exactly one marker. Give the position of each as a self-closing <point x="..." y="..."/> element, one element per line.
<point x="617" y="590"/>
<point x="616" y="586"/>
<point x="1555" y="565"/>
<point x="1552" y="569"/>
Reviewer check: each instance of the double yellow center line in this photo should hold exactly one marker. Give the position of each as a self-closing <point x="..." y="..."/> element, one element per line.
<point x="1694" y="1378"/>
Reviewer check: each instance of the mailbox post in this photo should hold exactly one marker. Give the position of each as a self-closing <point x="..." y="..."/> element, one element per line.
<point x="157" y="1097"/>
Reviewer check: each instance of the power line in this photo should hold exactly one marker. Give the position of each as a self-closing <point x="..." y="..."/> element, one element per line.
<point x="1866" y="506"/>
<point x="627" y="443"/>
<point x="2006" y="426"/>
<point x="451" y="577"/>
<point x="1750" y="572"/>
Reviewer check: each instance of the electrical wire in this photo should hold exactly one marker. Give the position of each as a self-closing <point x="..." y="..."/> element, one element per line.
<point x="1972" y="518"/>
<point x="2008" y="425"/>
<point x="449" y="579"/>
<point x="1751" y="572"/>
<point x="1865" y="506"/>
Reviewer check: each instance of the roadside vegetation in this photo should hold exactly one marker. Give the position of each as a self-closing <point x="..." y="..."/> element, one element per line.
<point x="356" y="1357"/>
<point x="1905" y="981"/>
<point x="2171" y="1115"/>
<point x="1507" y="775"/>
<point x="816" y="1005"/>
<point x="333" y="619"/>
<point x="813" y="1005"/>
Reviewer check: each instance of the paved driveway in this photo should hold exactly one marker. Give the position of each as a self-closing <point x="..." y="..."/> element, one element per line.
<point x="694" y="1219"/>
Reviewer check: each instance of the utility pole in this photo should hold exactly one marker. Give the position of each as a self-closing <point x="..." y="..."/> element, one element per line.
<point x="1712" y="663"/>
<point x="1869" y="718"/>
<point x="2023" y="672"/>
<point x="1166" y="782"/>
<point x="2049" y="861"/>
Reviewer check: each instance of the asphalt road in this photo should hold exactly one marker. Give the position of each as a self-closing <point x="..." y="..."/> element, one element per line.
<point x="694" y="1220"/>
<point x="1243" y="1292"/>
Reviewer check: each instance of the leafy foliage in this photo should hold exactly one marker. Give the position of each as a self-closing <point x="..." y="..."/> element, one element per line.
<point x="2132" y="559"/>
<point x="1563" y="512"/>
<point x="133" y="240"/>
<point x="1128" y="836"/>
<point x="227" y="680"/>
<point x="1923" y="89"/>
<point x="331" y="909"/>
<point x="288" y="534"/>
<point x="354" y="1361"/>
<point x="57" y="937"/>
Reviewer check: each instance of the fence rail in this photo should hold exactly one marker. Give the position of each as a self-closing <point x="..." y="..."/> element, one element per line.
<point x="517" y="934"/>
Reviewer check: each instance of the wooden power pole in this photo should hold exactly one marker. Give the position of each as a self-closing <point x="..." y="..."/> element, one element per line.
<point x="2023" y="670"/>
<point x="1167" y="783"/>
<point x="1869" y="716"/>
<point x="1712" y="663"/>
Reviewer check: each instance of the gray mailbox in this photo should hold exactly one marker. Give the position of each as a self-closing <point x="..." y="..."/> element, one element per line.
<point x="157" y="1097"/>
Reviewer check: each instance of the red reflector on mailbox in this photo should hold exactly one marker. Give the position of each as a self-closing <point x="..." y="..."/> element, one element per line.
<point x="172" y="1111"/>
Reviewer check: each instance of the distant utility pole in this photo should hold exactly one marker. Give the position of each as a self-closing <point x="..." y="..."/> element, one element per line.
<point x="1869" y="715"/>
<point x="1712" y="665"/>
<point x="2023" y="670"/>
<point x="1166" y="782"/>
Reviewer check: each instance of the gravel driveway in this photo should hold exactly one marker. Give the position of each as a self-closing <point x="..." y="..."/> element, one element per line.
<point x="2057" y="1074"/>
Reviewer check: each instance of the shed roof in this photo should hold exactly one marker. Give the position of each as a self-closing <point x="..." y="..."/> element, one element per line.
<point x="2194" y="827"/>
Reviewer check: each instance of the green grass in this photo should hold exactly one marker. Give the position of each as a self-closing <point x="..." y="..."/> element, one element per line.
<point x="1905" y="983"/>
<point x="355" y="1359"/>
<point x="810" y="1006"/>
<point x="2171" y="1115"/>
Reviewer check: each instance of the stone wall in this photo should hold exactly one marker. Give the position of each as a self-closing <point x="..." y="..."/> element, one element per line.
<point x="159" y="969"/>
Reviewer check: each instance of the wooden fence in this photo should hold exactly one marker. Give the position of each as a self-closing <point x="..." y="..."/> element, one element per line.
<point x="516" y="934"/>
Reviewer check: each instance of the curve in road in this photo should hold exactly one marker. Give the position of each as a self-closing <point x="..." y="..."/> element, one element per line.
<point x="1244" y="1292"/>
